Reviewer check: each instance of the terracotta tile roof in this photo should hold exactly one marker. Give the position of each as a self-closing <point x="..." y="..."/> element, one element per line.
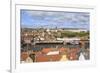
<point x="55" y="57"/>
<point x="72" y="56"/>
<point x="62" y="49"/>
<point x="46" y="50"/>
<point x="24" y="56"/>
<point x="42" y="58"/>
<point x="45" y="58"/>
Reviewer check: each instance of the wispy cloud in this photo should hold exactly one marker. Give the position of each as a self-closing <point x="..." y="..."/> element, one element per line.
<point x="54" y="19"/>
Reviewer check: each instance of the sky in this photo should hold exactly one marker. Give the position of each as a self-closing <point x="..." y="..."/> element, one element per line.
<point x="54" y="19"/>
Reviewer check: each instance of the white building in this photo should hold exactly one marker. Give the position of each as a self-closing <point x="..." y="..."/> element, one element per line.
<point x="68" y="39"/>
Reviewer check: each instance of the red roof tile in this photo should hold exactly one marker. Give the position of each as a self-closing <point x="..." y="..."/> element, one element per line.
<point x="46" y="50"/>
<point x="24" y="56"/>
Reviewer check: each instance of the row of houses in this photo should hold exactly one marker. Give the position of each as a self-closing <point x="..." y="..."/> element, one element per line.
<point x="52" y="54"/>
<point x="48" y="34"/>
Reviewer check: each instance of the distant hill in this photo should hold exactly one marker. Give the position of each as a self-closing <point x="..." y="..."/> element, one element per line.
<point x="53" y="26"/>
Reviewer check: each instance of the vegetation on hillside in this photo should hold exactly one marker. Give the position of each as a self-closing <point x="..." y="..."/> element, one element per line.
<point x="74" y="34"/>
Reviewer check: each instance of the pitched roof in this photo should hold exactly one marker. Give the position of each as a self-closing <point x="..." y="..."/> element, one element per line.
<point x="24" y="56"/>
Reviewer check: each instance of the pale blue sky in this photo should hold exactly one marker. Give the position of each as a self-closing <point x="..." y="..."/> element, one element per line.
<point x="51" y="19"/>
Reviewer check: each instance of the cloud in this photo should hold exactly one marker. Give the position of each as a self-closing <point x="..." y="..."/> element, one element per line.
<point x="55" y="18"/>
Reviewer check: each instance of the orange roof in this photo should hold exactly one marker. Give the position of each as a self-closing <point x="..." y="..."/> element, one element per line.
<point x="46" y="50"/>
<point x="62" y="49"/>
<point x="42" y="58"/>
<point x="55" y="57"/>
<point x="45" y="58"/>
<point x="72" y="56"/>
<point x="24" y="56"/>
<point x="74" y="50"/>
